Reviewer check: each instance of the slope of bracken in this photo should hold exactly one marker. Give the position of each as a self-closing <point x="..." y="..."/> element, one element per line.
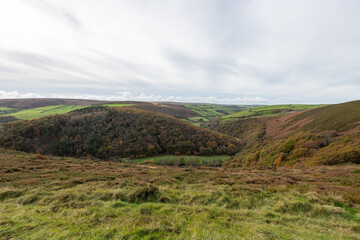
<point x="111" y="133"/>
<point x="324" y="136"/>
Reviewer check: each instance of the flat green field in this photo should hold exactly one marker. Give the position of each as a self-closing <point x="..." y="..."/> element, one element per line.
<point x="34" y="113"/>
<point x="269" y="110"/>
<point x="182" y="160"/>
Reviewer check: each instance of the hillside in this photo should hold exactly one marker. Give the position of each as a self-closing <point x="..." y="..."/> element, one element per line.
<point x="114" y="133"/>
<point x="328" y="135"/>
<point x="271" y="110"/>
<point x="48" y="197"/>
<point x="195" y="114"/>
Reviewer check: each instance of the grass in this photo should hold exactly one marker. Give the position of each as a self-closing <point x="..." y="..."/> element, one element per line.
<point x="269" y="110"/>
<point x="183" y="160"/>
<point x="6" y="110"/>
<point x="332" y="117"/>
<point x="207" y="112"/>
<point x="44" y="197"/>
<point x="39" y="112"/>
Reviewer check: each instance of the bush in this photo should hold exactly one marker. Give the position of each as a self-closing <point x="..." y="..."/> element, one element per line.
<point x="351" y="156"/>
<point x="298" y="153"/>
<point x="287" y="146"/>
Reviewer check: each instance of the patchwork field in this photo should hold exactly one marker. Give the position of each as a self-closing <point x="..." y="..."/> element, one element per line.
<point x="45" y="197"/>
<point x="206" y="112"/>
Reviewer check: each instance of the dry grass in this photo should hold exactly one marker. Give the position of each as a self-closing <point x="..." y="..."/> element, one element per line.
<point x="44" y="197"/>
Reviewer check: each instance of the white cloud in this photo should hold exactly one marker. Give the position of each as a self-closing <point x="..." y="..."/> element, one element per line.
<point x="278" y="50"/>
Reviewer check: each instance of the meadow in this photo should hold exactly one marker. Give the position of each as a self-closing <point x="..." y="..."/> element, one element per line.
<point x="39" y="112"/>
<point x="45" y="197"/>
<point x="6" y="110"/>
<point x="206" y="112"/>
<point x="270" y="110"/>
<point x="34" y="113"/>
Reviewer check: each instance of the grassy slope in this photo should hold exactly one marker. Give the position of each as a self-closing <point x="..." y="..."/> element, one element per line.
<point x="7" y="110"/>
<point x="332" y="117"/>
<point x="323" y="136"/>
<point x="268" y="110"/>
<point x="65" y="198"/>
<point x="34" y="113"/>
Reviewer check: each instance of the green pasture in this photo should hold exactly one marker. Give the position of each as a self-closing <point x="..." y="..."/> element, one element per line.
<point x="6" y="110"/>
<point x="269" y="110"/>
<point x="39" y="112"/>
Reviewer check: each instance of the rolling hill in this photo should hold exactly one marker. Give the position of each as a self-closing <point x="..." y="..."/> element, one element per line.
<point x="114" y="133"/>
<point x="328" y="135"/>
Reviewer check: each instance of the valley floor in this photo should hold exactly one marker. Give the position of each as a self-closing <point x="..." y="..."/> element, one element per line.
<point x="44" y="197"/>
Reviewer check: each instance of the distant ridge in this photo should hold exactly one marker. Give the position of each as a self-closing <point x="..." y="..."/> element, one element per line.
<point x="25" y="103"/>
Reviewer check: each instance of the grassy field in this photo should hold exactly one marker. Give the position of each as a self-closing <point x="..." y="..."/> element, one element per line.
<point x="64" y="198"/>
<point x="34" y="113"/>
<point x="269" y="110"/>
<point x="39" y="112"/>
<point x="183" y="160"/>
<point x="6" y="110"/>
<point x="207" y="112"/>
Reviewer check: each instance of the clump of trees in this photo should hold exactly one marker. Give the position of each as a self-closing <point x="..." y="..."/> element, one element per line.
<point x="106" y="133"/>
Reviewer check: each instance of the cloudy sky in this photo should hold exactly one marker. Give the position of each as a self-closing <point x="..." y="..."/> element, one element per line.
<point x="269" y="51"/>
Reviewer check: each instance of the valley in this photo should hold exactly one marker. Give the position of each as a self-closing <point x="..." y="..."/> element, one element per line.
<point x="143" y="170"/>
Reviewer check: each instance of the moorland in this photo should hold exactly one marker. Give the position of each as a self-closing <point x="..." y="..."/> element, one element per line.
<point x="84" y="169"/>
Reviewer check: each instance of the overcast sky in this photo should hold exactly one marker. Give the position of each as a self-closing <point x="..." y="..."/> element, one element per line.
<point x="270" y="51"/>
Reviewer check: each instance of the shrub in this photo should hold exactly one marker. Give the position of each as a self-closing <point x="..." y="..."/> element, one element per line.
<point x="298" y="153"/>
<point x="287" y="146"/>
<point x="351" y="156"/>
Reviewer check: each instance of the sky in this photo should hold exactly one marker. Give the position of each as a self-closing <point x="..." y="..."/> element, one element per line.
<point x="219" y="51"/>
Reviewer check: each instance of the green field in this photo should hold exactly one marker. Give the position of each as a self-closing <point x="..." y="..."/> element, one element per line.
<point x="269" y="110"/>
<point x="39" y="112"/>
<point x="183" y="160"/>
<point x="6" y="110"/>
<point x="207" y="112"/>
<point x="34" y="113"/>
